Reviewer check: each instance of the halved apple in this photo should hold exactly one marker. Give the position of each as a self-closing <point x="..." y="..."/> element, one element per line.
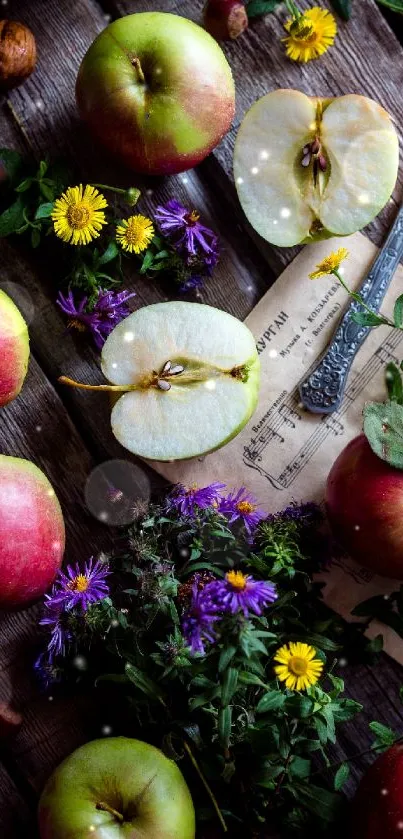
<point x="306" y="168"/>
<point x="189" y="375"/>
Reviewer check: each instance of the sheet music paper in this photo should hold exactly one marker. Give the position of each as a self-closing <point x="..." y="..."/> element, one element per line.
<point x="284" y="454"/>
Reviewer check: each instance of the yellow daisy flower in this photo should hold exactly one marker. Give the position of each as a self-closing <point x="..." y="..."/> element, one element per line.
<point x="310" y="34"/>
<point x="135" y="233"/>
<point x="329" y="264"/>
<point x="298" y="667"/>
<point x="78" y="214"/>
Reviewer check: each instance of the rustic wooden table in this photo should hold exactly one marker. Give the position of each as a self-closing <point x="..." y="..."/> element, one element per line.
<point x="67" y="432"/>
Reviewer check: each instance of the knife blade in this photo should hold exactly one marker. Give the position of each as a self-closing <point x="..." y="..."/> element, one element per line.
<point x="322" y="392"/>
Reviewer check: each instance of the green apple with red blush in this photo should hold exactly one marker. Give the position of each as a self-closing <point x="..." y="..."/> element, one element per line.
<point x="117" y="788"/>
<point x="32" y="533"/>
<point x="14" y="349"/>
<point x="157" y="91"/>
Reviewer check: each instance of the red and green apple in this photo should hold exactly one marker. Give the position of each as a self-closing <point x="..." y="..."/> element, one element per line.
<point x="31" y="533"/>
<point x="117" y="788"/>
<point x="364" y="500"/>
<point x="157" y="91"/>
<point x="377" y="809"/>
<point x="14" y="349"/>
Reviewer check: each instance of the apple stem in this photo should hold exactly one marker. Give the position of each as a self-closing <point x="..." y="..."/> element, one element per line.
<point x="65" y="380"/>
<point x="137" y="65"/>
<point x="102" y="805"/>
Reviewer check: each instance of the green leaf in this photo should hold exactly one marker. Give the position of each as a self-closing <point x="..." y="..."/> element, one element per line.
<point x="383" y="428"/>
<point x="12" y="218"/>
<point x="246" y="678"/>
<point x="110" y="253"/>
<point x="342" y="775"/>
<point x="43" y="168"/>
<point x="256" y="8"/>
<point x="226" y="655"/>
<point x="300" y="767"/>
<point x="204" y="698"/>
<point x="327" y="715"/>
<point x="393" y="381"/>
<point x="342" y="8"/>
<point x="266" y="775"/>
<point x="319" y="641"/>
<point x="229" y="685"/>
<point x="143" y="682"/>
<point x="345" y="709"/>
<point x="367" y="319"/>
<point x="24" y="185"/>
<point x="44" y="210"/>
<point x="47" y="191"/>
<point x="271" y="701"/>
<point x="383" y="733"/>
<point x="11" y="161"/>
<point x="224" y="726"/>
<point x="35" y="237"/>
<point x="338" y="685"/>
<point x="398" y="308"/>
<point x="299" y="705"/>
<point x="323" y="804"/>
<point x="395" y="5"/>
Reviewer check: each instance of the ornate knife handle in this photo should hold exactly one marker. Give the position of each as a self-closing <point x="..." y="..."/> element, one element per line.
<point x="323" y="391"/>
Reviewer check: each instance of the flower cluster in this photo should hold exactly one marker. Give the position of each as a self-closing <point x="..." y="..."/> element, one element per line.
<point x="195" y="243"/>
<point x="109" y="309"/>
<point x="238" y="505"/>
<point x="76" y="589"/>
<point x="237" y="593"/>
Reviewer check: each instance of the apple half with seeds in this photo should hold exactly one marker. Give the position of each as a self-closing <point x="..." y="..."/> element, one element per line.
<point x="189" y="378"/>
<point x="308" y="168"/>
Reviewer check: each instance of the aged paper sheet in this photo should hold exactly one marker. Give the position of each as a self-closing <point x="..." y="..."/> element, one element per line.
<point x="285" y="453"/>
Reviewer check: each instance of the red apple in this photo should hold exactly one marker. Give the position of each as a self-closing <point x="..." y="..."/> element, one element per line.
<point x="225" y="19"/>
<point x="377" y="809"/>
<point x="364" y="498"/>
<point x="14" y="349"/>
<point x="157" y="91"/>
<point x="31" y="532"/>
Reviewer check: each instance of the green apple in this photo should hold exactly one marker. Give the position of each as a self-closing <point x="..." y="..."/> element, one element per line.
<point x="14" y="349"/>
<point x="189" y="375"/>
<point x="116" y="789"/>
<point x="157" y="91"/>
<point x="307" y="168"/>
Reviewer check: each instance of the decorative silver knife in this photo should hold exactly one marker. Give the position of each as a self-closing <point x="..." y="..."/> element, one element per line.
<point x="323" y="391"/>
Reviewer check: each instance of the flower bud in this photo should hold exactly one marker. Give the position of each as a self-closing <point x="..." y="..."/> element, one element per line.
<point x="132" y="195"/>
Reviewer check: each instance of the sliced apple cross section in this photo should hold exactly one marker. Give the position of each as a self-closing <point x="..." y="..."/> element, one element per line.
<point x="186" y="377"/>
<point x="306" y="168"/>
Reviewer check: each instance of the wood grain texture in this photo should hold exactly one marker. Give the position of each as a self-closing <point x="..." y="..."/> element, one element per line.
<point x="16" y="821"/>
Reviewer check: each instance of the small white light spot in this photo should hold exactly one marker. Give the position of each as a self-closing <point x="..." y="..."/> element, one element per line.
<point x="386" y="596"/>
<point x="343" y="662"/>
<point x="210" y="384"/>
<point x="275" y="221"/>
<point x="80" y="662"/>
<point x="285" y="212"/>
<point x="56" y="545"/>
<point x="4" y="2"/>
<point x="239" y="180"/>
<point x="264" y="154"/>
<point x="356" y="527"/>
<point x="50" y="698"/>
<point x="312" y="126"/>
<point x="103" y="515"/>
<point x="39" y="104"/>
<point x="106" y="730"/>
<point x="364" y="198"/>
<point x="114" y="623"/>
<point x="92" y="828"/>
<point x="114" y="365"/>
<point x="51" y="493"/>
<point x="254" y="170"/>
<point x="128" y="336"/>
<point x="38" y="428"/>
<point x="185" y="179"/>
<point x="384" y="791"/>
<point x="300" y="406"/>
<point x="399" y="825"/>
<point x="158" y="71"/>
<point x="107" y="18"/>
<point x="149" y="192"/>
<point x="273" y="353"/>
<point x="184" y="552"/>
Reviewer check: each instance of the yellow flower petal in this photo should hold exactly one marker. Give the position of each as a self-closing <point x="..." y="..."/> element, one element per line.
<point x="77" y="215"/>
<point x="310" y="35"/>
<point x="298" y="666"/>
<point x="329" y="264"/>
<point x="135" y="233"/>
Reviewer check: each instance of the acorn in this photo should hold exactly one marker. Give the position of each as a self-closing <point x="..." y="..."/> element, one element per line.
<point x="225" y="20"/>
<point x="17" y="54"/>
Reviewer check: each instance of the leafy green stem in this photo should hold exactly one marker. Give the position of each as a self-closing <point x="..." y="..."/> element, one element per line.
<point x="206" y="786"/>
<point x="381" y="319"/>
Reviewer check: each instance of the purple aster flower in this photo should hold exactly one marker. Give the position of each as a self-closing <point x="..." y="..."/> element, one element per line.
<point x="109" y="309"/>
<point x="183" y="226"/>
<point x="55" y="624"/>
<point x="80" y="588"/>
<point x="240" y="592"/>
<point x="298" y="512"/>
<point x="191" y="283"/>
<point x="187" y="499"/>
<point x="46" y="671"/>
<point x="197" y="622"/>
<point x="242" y="505"/>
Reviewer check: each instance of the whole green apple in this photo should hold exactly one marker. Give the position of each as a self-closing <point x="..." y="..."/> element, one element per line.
<point x="157" y="91"/>
<point x="116" y="789"/>
<point x="14" y="349"/>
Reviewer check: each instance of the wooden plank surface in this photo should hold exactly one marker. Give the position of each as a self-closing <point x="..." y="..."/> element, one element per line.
<point x="42" y="115"/>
